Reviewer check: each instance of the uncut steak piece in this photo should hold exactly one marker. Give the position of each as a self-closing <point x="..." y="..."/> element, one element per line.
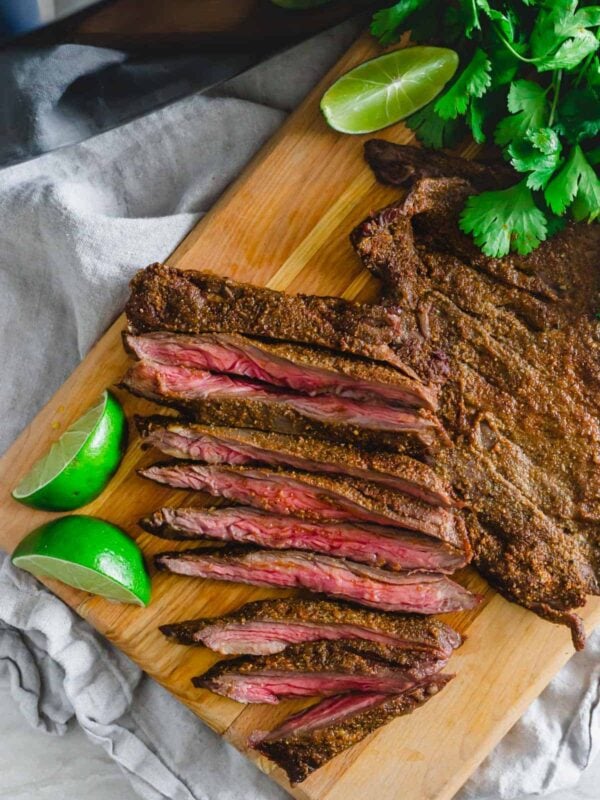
<point x="522" y="400"/>
<point x="418" y="592"/>
<point x="297" y="368"/>
<point x="245" y="447"/>
<point x="370" y="544"/>
<point x="322" y="498"/>
<point x="311" y="738"/>
<point x="169" y="299"/>
<point x="320" y="668"/>
<point x="269" y="626"/>
<point x="403" y="165"/>
<point x="218" y="399"/>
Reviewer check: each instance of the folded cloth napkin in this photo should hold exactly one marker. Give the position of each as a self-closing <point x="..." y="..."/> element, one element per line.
<point x="76" y="224"/>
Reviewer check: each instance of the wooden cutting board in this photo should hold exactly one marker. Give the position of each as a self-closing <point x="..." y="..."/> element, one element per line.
<point x="285" y="224"/>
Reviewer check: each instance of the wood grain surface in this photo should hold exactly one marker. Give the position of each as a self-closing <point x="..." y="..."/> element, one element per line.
<point x="285" y="224"/>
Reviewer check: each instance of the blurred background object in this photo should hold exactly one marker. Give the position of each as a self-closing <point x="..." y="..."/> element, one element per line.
<point x="22" y="16"/>
<point x="74" y="68"/>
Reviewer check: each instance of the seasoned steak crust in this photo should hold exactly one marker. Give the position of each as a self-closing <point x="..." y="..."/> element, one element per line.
<point x="354" y="657"/>
<point x="422" y="632"/>
<point x="301" y="754"/>
<point x="522" y="399"/>
<point x="169" y="299"/>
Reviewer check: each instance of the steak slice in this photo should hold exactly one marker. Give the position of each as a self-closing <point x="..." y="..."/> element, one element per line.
<point x="217" y="398"/>
<point x="403" y="165"/>
<point x="323" y="498"/>
<point x="169" y="299"/>
<point x="419" y="592"/>
<point x="244" y="447"/>
<point x="269" y="626"/>
<point x="297" y="368"/>
<point x="521" y="402"/>
<point x="319" y="668"/>
<point x="370" y="544"/>
<point x="311" y="738"/>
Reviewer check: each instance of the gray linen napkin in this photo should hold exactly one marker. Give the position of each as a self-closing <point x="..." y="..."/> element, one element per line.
<point x="76" y="224"/>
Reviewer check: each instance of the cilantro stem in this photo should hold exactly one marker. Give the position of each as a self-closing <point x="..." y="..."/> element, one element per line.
<point x="583" y="69"/>
<point x="476" y="24"/>
<point x="556" y="81"/>
<point x="515" y="53"/>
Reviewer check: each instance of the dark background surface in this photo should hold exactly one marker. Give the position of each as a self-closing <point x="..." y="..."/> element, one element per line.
<point x="119" y="59"/>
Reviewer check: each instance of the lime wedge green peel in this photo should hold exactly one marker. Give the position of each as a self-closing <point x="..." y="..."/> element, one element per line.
<point x="387" y="89"/>
<point x="89" y="554"/>
<point x="79" y="465"/>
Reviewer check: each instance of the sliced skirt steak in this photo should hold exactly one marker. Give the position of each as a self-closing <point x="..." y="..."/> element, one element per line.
<point x="320" y="668"/>
<point x="296" y="368"/>
<point x="269" y="626"/>
<point x="220" y="399"/>
<point x="245" y="447"/>
<point x="322" y="498"/>
<point x="419" y="592"/>
<point x="369" y="544"/>
<point x="308" y="740"/>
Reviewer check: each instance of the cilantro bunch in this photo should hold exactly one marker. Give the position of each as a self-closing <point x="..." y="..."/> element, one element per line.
<point x="529" y="80"/>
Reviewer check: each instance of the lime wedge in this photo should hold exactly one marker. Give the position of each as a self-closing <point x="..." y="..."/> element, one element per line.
<point x="387" y="89"/>
<point x="89" y="554"/>
<point x="79" y="465"/>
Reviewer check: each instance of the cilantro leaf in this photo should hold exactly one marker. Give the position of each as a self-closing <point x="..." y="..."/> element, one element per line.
<point x="545" y="140"/>
<point x="576" y="184"/>
<point x="504" y="220"/>
<point x="388" y="23"/>
<point x="433" y="131"/>
<point x="561" y="38"/>
<point x="579" y="115"/>
<point x="586" y="206"/>
<point x="586" y="17"/>
<point x="464" y="16"/>
<point x="473" y="81"/>
<point x="530" y="73"/>
<point x="505" y="22"/>
<point x="529" y="110"/>
<point x="543" y="36"/>
<point x="538" y="154"/>
<point x="476" y="117"/>
<point x="570" y="53"/>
